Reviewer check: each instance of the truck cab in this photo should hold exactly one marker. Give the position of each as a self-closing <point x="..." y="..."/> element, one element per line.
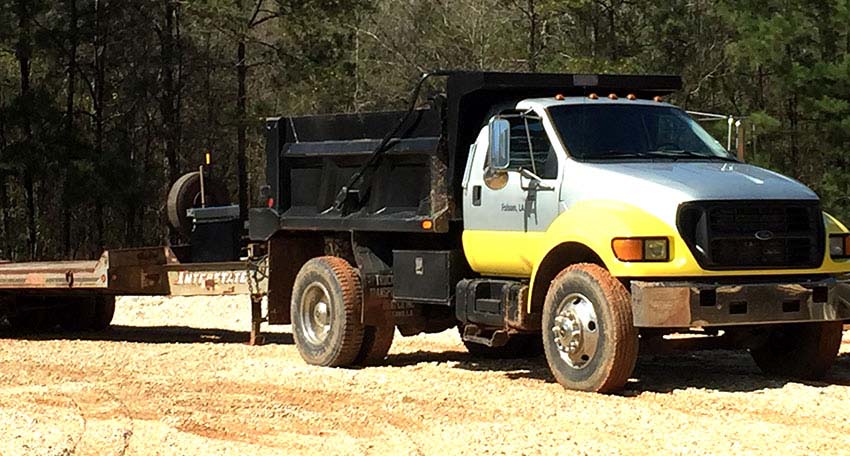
<point x="580" y="213"/>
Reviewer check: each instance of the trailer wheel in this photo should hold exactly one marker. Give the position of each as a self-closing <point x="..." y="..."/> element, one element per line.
<point x="88" y="314"/>
<point x="185" y="194"/>
<point x="589" y="338"/>
<point x="326" y="300"/>
<point x="31" y="321"/>
<point x="103" y="313"/>
<point x="518" y="346"/>
<point x="30" y="315"/>
<point x="377" y="341"/>
<point x="800" y="350"/>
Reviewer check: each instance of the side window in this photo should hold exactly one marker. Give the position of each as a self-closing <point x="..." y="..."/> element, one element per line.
<point x="530" y="147"/>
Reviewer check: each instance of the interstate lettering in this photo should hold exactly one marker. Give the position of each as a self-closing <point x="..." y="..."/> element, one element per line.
<point x="201" y="279"/>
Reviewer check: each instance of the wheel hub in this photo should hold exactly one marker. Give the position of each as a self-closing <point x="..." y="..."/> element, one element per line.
<point x="575" y="331"/>
<point x="315" y="313"/>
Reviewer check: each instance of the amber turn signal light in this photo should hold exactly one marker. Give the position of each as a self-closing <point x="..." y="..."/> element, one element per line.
<point x="641" y="249"/>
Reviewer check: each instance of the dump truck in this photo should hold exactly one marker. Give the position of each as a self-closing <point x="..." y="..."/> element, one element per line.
<point x="575" y="215"/>
<point x="578" y="212"/>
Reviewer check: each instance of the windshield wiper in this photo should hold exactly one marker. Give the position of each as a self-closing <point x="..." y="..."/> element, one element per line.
<point x="619" y="154"/>
<point x="687" y="153"/>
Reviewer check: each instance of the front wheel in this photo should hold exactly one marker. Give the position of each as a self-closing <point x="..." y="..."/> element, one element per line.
<point x="326" y="300"/>
<point x="589" y="338"/>
<point x="801" y="350"/>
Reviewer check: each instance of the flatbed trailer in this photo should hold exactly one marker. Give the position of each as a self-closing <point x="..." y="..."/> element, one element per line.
<point x="147" y="271"/>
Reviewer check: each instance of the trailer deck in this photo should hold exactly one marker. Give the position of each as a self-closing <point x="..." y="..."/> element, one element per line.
<point x="147" y="271"/>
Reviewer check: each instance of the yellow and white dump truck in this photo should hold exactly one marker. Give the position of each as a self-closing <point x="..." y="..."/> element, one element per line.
<point x="580" y="212"/>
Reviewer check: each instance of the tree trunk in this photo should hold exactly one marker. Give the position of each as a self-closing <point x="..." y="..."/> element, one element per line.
<point x="241" y="126"/>
<point x="100" y="90"/>
<point x="69" y="123"/>
<point x="9" y="247"/>
<point x="241" y="130"/>
<point x="532" y="37"/>
<point x="168" y="107"/>
<point x="23" y="53"/>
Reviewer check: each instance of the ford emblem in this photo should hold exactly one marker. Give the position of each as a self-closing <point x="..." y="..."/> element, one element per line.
<point x="764" y="235"/>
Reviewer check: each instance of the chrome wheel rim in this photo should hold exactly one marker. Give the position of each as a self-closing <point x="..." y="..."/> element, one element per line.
<point x="576" y="330"/>
<point x="315" y="313"/>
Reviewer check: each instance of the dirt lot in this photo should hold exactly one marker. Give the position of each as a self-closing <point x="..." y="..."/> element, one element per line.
<point x="174" y="377"/>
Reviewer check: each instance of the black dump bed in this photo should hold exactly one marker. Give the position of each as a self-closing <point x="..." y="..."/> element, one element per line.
<point x="414" y="185"/>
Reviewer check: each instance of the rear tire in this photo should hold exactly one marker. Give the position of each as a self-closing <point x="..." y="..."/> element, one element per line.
<point x="377" y="341"/>
<point x="800" y="350"/>
<point x="326" y="302"/>
<point x="589" y="338"/>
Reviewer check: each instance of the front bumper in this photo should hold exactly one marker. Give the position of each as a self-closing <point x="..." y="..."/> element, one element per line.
<point x="685" y="304"/>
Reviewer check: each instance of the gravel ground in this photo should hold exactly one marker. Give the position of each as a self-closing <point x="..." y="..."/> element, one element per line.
<point x="175" y="377"/>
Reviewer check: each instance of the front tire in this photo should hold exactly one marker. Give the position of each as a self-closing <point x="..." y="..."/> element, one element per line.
<point x="326" y="301"/>
<point x="801" y="350"/>
<point x="589" y="338"/>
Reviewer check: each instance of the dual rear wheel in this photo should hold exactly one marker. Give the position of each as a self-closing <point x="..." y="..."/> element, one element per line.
<point x="327" y="300"/>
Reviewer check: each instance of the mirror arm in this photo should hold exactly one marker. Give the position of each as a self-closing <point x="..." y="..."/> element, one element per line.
<point x="536" y="181"/>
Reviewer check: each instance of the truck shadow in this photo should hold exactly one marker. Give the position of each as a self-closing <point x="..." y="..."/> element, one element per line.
<point x="717" y="370"/>
<point x="153" y="335"/>
<point x="522" y="368"/>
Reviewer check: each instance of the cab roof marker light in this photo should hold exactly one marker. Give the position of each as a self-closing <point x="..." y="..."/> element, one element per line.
<point x="612" y="96"/>
<point x="631" y="97"/>
<point x="593" y="96"/>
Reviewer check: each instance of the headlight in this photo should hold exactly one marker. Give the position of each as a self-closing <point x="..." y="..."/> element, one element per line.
<point x="641" y="249"/>
<point x="839" y="245"/>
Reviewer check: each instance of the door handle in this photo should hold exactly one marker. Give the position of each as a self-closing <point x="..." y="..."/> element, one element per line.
<point x="476" y="195"/>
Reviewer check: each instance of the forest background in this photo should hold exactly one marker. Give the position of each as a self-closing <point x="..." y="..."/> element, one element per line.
<point x="104" y="103"/>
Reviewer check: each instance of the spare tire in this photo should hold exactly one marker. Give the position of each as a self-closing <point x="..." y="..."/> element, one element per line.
<point x="186" y="194"/>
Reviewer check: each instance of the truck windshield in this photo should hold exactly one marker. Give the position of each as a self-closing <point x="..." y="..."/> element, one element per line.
<point x="613" y="131"/>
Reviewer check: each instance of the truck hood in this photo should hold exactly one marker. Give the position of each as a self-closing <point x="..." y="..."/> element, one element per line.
<point x="660" y="187"/>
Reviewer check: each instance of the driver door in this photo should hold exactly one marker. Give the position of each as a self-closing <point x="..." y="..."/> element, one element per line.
<point x="504" y="210"/>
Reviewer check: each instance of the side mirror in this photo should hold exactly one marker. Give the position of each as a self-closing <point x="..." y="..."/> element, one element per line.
<point x="500" y="143"/>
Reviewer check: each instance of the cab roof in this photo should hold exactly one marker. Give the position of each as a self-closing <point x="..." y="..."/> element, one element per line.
<point x="472" y="96"/>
